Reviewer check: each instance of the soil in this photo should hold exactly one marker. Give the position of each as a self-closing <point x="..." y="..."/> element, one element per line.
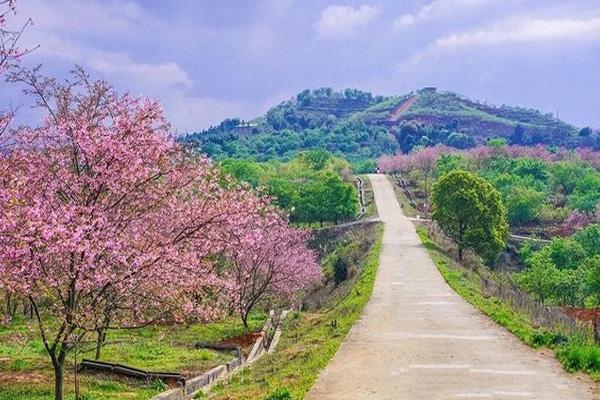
<point x="22" y="377"/>
<point x="402" y="108"/>
<point x="244" y="341"/>
<point x="583" y="314"/>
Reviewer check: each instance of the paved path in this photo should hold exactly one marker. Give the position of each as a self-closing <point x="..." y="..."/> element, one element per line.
<point x="418" y="340"/>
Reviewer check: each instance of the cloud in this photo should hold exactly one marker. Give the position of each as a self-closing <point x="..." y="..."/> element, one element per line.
<point x="512" y="34"/>
<point x="193" y="113"/>
<point x="527" y="30"/>
<point x="438" y="9"/>
<point x="342" y="21"/>
<point x="157" y="76"/>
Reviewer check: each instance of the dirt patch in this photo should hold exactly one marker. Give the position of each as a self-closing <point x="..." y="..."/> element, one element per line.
<point x="402" y="108"/>
<point x="244" y="341"/>
<point x="22" y="377"/>
<point x="583" y="314"/>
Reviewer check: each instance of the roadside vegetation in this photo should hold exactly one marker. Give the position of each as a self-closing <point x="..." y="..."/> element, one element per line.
<point x="575" y="349"/>
<point x="311" y="337"/>
<point x="545" y="292"/>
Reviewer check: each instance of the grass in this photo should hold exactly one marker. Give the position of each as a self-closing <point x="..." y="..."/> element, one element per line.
<point x="308" y="342"/>
<point x="370" y="207"/>
<point x="575" y="353"/>
<point x="407" y="209"/>
<point x="27" y="372"/>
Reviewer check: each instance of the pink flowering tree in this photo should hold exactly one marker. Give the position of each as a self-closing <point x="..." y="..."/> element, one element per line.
<point x="269" y="261"/>
<point x="9" y="53"/>
<point x="576" y="221"/>
<point x="106" y="223"/>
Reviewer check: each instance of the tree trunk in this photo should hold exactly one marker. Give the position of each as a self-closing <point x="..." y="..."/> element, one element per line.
<point x="460" y="253"/>
<point x="100" y="342"/>
<point x="59" y="368"/>
<point x="245" y="321"/>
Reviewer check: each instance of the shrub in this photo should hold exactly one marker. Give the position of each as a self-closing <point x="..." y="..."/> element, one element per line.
<point x="340" y="270"/>
<point x="579" y="355"/>
<point x="279" y="394"/>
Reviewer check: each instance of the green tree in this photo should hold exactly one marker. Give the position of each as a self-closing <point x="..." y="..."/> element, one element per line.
<point x="564" y="175"/>
<point x="316" y="159"/>
<point x="285" y="193"/>
<point x="564" y="253"/>
<point x="326" y="197"/>
<point x="586" y="195"/>
<point x="244" y="170"/>
<point x="470" y="212"/>
<point x="449" y="162"/>
<point x="341" y="199"/>
<point x="523" y="204"/>
<point x="589" y="238"/>
<point x="539" y="278"/>
<point x="460" y="140"/>
<point x="310" y="207"/>
<point x="497" y="142"/>
<point x="592" y="269"/>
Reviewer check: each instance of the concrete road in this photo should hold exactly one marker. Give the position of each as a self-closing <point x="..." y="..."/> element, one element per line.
<point x="417" y="339"/>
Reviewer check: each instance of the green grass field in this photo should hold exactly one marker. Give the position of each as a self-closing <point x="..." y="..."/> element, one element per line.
<point x="26" y="372"/>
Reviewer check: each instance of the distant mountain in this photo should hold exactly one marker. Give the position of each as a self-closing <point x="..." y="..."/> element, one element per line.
<point x="359" y="126"/>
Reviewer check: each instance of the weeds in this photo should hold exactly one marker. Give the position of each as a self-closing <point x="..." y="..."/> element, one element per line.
<point x="575" y="352"/>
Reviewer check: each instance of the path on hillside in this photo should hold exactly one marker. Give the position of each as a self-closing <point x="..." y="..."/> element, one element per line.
<point x="418" y="340"/>
<point x="402" y="108"/>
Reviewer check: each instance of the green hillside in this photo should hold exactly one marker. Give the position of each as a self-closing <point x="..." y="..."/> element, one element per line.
<point x="360" y="125"/>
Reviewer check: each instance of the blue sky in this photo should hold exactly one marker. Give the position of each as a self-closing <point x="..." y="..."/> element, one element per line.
<point x="207" y="60"/>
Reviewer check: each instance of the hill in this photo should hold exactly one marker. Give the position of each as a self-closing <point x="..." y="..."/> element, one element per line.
<point x="359" y="125"/>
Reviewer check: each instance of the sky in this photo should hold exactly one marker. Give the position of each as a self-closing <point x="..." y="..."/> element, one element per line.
<point x="209" y="60"/>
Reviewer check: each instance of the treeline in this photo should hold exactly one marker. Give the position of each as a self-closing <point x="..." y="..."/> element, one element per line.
<point x="566" y="271"/>
<point x="412" y="134"/>
<point x="314" y="187"/>
<point x="537" y="184"/>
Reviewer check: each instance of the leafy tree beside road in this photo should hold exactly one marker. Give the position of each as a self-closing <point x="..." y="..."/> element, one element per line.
<point x="470" y="212"/>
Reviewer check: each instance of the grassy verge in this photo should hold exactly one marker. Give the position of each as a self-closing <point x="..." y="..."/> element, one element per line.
<point x="370" y="207"/>
<point x="26" y="372"/>
<point x="407" y="209"/>
<point x="308" y="342"/>
<point x="575" y="353"/>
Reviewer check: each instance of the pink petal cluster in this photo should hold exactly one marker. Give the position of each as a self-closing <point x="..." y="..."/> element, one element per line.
<point x="106" y="221"/>
<point x="425" y="158"/>
<point x="269" y="262"/>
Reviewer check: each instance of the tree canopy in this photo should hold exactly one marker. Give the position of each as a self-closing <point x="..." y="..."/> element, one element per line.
<point x="470" y="212"/>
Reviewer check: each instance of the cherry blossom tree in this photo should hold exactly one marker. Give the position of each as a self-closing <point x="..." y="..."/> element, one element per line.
<point x="106" y="223"/>
<point x="575" y="222"/>
<point x="9" y="53"/>
<point x="269" y="261"/>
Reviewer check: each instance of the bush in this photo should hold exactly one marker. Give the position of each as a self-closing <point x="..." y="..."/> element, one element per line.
<point x="340" y="270"/>
<point x="279" y="394"/>
<point x="579" y="355"/>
